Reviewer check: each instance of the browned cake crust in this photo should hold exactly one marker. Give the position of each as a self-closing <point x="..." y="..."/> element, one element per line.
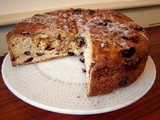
<point x="120" y="47"/>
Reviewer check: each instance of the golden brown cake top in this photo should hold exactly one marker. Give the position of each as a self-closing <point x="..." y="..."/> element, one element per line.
<point x="101" y="22"/>
<point x="107" y="27"/>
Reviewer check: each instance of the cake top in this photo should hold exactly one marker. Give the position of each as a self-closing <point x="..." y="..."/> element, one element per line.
<point x="108" y="27"/>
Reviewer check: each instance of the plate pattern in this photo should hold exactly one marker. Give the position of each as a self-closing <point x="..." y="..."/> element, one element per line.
<point x="59" y="85"/>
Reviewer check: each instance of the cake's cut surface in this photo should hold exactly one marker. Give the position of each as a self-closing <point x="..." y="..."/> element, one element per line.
<point x="115" y="47"/>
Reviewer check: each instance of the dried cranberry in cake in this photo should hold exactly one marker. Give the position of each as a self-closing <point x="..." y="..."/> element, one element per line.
<point x="49" y="48"/>
<point x="82" y="60"/>
<point x="131" y="66"/>
<point x="78" y="11"/>
<point x="57" y="53"/>
<point x="81" y="42"/>
<point x="39" y="54"/>
<point x="138" y="28"/>
<point x="81" y="53"/>
<point x="29" y="59"/>
<point x="105" y="22"/>
<point x="134" y="39"/>
<point x="91" y="12"/>
<point x="27" y="53"/>
<point x="26" y="33"/>
<point x="59" y="37"/>
<point x="123" y="81"/>
<point x="71" y="53"/>
<point x="125" y="38"/>
<point x="126" y="28"/>
<point x="127" y="53"/>
<point x="13" y="59"/>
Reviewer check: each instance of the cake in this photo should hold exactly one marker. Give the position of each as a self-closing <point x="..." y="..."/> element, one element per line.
<point x="114" y="47"/>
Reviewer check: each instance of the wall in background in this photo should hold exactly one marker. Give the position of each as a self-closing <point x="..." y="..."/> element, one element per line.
<point x="9" y="6"/>
<point x="145" y="16"/>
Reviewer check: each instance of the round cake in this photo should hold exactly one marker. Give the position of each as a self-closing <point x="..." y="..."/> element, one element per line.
<point x="114" y="47"/>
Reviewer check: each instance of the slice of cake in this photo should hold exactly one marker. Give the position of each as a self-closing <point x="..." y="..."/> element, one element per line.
<point x="115" y="48"/>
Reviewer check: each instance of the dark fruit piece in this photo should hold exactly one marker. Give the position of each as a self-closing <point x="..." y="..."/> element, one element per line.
<point x="91" y="12"/>
<point x="59" y="37"/>
<point x="125" y="38"/>
<point x="27" y="53"/>
<point x="134" y="39"/>
<point x="139" y="28"/>
<point x="78" y="11"/>
<point x="49" y="48"/>
<point x="13" y="59"/>
<point x="25" y="33"/>
<point x="131" y="66"/>
<point x="81" y="59"/>
<point x="127" y="53"/>
<point x="57" y="53"/>
<point x="39" y="54"/>
<point x="71" y="53"/>
<point x="84" y="70"/>
<point x="126" y="28"/>
<point x="29" y="59"/>
<point x="123" y="81"/>
<point x="81" y="41"/>
<point x="105" y="22"/>
<point x="81" y="53"/>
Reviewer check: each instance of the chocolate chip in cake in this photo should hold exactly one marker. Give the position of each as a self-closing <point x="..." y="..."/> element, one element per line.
<point x="27" y="53"/>
<point x="91" y="12"/>
<point x="82" y="60"/>
<point x="105" y="22"/>
<point x="78" y="11"/>
<point x="39" y="54"/>
<point x="123" y="81"/>
<point x="127" y="53"/>
<point x="29" y="59"/>
<point x="59" y="37"/>
<point x="71" y="53"/>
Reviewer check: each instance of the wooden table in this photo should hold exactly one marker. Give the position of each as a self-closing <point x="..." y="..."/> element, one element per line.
<point x="147" y="108"/>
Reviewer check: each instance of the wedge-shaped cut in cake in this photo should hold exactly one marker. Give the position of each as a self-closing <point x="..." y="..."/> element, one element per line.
<point x="114" y="47"/>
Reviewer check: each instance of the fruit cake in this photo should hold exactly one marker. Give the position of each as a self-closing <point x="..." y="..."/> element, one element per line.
<point x="114" y="47"/>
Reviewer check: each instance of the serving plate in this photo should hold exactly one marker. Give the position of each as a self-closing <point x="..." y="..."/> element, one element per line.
<point x="59" y="85"/>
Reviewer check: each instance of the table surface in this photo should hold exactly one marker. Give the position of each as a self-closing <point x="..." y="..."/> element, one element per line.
<point x="147" y="108"/>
